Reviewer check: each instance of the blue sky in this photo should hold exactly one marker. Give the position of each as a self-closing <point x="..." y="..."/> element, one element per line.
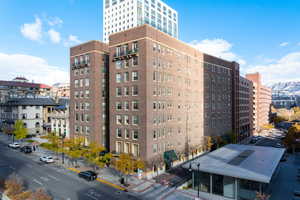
<point x="263" y="35"/>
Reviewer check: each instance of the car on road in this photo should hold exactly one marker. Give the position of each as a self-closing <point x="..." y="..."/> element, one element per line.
<point x="47" y="159"/>
<point x="14" y="145"/>
<point x="88" y="175"/>
<point x="26" y="149"/>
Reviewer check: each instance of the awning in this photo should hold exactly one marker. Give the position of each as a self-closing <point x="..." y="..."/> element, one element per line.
<point x="170" y="156"/>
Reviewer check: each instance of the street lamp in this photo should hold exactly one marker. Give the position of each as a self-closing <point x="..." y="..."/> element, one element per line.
<point x="63" y="153"/>
<point x="198" y="166"/>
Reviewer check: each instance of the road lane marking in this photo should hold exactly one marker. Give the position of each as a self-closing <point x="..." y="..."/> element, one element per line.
<point x="53" y="177"/>
<point x="92" y="196"/>
<point x="38" y="182"/>
<point x="44" y="179"/>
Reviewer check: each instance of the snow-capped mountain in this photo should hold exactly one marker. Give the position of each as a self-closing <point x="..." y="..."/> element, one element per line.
<point x="286" y="88"/>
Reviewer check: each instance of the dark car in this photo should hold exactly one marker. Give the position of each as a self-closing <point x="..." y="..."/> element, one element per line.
<point x="26" y="149"/>
<point x="88" y="175"/>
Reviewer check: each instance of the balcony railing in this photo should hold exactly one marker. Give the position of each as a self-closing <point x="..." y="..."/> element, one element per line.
<point x="123" y="55"/>
<point x="80" y="65"/>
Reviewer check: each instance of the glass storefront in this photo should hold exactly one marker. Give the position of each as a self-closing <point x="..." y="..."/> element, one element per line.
<point x="228" y="187"/>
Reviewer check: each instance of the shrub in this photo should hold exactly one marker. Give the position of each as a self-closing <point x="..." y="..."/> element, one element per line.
<point x="13" y="185"/>
<point x="30" y="141"/>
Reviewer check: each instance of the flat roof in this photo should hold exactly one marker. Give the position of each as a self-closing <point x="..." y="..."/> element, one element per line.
<point x="248" y="162"/>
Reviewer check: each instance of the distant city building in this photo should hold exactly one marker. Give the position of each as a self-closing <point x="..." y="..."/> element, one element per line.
<point x="262" y="99"/>
<point x="59" y="90"/>
<point x="154" y="96"/>
<point x="284" y="101"/>
<point x="60" y="118"/>
<point x="34" y="112"/>
<point x="245" y="108"/>
<point x="120" y="15"/>
<point x="20" y="87"/>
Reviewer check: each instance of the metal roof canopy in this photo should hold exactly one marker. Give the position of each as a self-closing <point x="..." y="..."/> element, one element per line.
<point x="254" y="163"/>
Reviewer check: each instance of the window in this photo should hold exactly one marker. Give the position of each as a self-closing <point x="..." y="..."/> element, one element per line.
<point x="81" y="83"/>
<point x="87" y="82"/>
<point x="126" y="105"/>
<point x="118" y="119"/>
<point x="126" y="76"/>
<point x="76" y="106"/>
<point x="135" y="47"/>
<point x="126" y="119"/>
<point x="119" y="147"/>
<point x="87" y="117"/>
<point x="76" y="94"/>
<point x="154" y="135"/>
<point x="119" y="133"/>
<point x="87" y="106"/>
<point x="135" y="105"/>
<point x="118" y="91"/>
<point x="135" y="120"/>
<point x="119" y="105"/>
<point x="126" y="147"/>
<point x="76" y="82"/>
<point x="154" y="147"/>
<point x="135" y="61"/>
<point x="87" y="94"/>
<point x="135" y="90"/>
<point x="87" y="129"/>
<point x="118" y="64"/>
<point x="135" y="134"/>
<point x="135" y="150"/>
<point x="24" y="116"/>
<point x="82" y="106"/>
<point x="81" y="94"/>
<point x="126" y="91"/>
<point x="127" y="134"/>
<point x="37" y="115"/>
<point x="134" y="76"/>
<point x="118" y="78"/>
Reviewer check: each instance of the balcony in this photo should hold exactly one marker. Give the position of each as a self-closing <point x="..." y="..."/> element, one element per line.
<point x="80" y="65"/>
<point x="125" y="55"/>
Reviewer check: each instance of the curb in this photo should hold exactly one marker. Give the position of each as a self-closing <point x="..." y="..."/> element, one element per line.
<point x="102" y="181"/>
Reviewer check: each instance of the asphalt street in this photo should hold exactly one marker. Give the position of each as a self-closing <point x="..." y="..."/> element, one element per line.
<point x="61" y="183"/>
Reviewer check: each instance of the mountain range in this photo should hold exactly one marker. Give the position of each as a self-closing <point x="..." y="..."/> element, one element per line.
<point x="286" y="88"/>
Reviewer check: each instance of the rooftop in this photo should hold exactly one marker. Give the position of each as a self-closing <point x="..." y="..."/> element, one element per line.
<point x="254" y="163"/>
<point x="31" y="102"/>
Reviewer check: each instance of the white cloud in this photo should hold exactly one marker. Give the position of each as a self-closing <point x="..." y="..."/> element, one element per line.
<point x="54" y="36"/>
<point x="219" y="48"/>
<point x="285" y="69"/>
<point x="284" y="44"/>
<point x="72" y="40"/>
<point x="33" y="68"/>
<point x="52" y="21"/>
<point x="33" y="31"/>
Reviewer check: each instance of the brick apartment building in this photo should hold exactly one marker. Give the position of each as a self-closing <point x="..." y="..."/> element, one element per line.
<point x="163" y="95"/>
<point x="89" y="92"/>
<point x="262" y="99"/>
<point x="245" y="108"/>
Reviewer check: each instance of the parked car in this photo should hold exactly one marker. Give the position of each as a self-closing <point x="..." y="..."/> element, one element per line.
<point x="47" y="159"/>
<point x="88" y="175"/>
<point x="26" y="149"/>
<point x="14" y="145"/>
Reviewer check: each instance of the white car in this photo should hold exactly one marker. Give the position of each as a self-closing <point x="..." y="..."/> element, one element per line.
<point x="47" y="159"/>
<point x="14" y="145"/>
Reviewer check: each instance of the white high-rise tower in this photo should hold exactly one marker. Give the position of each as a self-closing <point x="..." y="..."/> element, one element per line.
<point x="120" y="15"/>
